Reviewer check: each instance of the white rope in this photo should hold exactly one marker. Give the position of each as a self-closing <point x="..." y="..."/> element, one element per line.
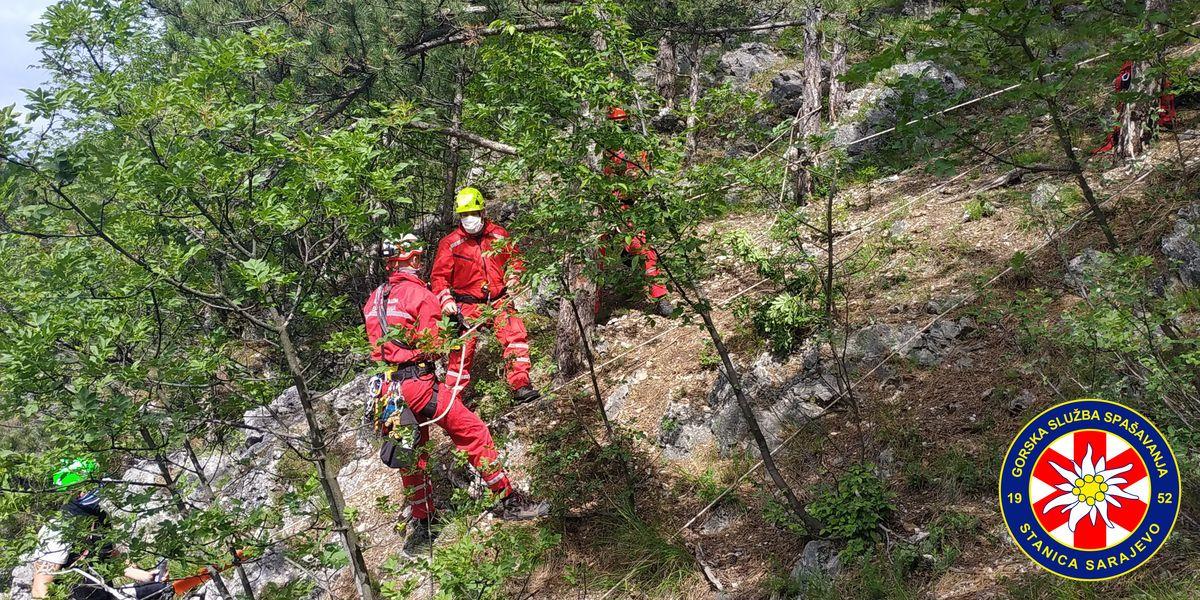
<point x="462" y="359"/>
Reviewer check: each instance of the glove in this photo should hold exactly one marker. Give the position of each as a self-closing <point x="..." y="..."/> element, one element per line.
<point x="460" y="324"/>
<point x="450" y="308"/>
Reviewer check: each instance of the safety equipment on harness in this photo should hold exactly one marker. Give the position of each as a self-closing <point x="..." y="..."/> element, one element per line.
<point x="74" y="472"/>
<point x="393" y="420"/>
<point x="472" y="224"/>
<point x="470" y="299"/>
<point x="468" y="199"/>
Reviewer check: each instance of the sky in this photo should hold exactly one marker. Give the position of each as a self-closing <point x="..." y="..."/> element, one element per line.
<point x="16" y="51"/>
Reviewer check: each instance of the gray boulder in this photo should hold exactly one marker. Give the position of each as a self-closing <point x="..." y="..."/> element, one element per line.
<point x="721" y="518"/>
<point x="780" y="400"/>
<point x="1045" y="196"/>
<point x="741" y="64"/>
<point x="683" y="428"/>
<point x="819" y="559"/>
<point x="348" y="401"/>
<point x="282" y="413"/>
<point x="614" y="404"/>
<point x="273" y="571"/>
<point x="787" y="89"/>
<point x="1083" y="270"/>
<point x="1023" y="400"/>
<point x="871" y="344"/>
<point x="1182" y="245"/>
<point x="875" y="106"/>
<point x="22" y="580"/>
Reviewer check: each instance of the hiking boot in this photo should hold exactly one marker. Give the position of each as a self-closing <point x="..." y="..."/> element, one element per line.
<point x="420" y="537"/>
<point x="516" y="506"/>
<point x="526" y="394"/>
<point x="664" y="307"/>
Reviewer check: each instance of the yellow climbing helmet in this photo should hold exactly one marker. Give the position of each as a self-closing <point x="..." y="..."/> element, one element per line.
<point x="469" y="199"/>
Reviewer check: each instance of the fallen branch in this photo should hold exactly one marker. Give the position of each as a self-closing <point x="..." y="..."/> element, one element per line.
<point x="470" y="34"/>
<point x="738" y="29"/>
<point x="466" y="136"/>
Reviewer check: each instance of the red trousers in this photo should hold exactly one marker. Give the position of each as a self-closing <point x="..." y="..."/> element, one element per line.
<point x="510" y="332"/>
<point x="638" y="246"/>
<point x="468" y="432"/>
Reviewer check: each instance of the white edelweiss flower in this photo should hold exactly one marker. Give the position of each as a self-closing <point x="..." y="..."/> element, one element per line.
<point x="1090" y="488"/>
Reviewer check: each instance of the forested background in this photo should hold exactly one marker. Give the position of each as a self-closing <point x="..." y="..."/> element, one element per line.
<point x="887" y="236"/>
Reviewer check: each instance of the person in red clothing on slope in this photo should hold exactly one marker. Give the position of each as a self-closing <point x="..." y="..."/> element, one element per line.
<point x="618" y="164"/>
<point x="475" y="269"/>
<point x="402" y="322"/>
<point x="1166" y="107"/>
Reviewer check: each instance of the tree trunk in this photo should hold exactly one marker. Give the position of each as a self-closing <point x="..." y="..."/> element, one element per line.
<point x="453" y="150"/>
<point x="1140" y="112"/>
<point x="569" y="352"/>
<point x="837" y="69"/>
<point x="164" y="469"/>
<point x="810" y="117"/>
<point x="1064" y="140"/>
<point x="666" y="71"/>
<point x="809" y="122"/>
<point x="689" y="144"/>
<point x="697" y="302"/>
<point x="701" y="306"/>
<point x="586" y="344"/>
<point x="328" y="479"/>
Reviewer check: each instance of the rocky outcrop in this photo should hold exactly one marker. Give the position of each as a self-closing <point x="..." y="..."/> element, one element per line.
<point x="876" y="106"/>
<point x="786" y="91"/>
<point x="1182" y="246"/>
<point x="254" y="477"/>
<point x="683" y="428"/>
<point x="927" y="348"/>
<point x="741" y="64"/>
<point x="782" y="393"/>
<point x="614" y="403"/>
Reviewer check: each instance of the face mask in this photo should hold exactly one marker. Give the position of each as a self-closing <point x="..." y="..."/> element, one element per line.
<point x="472" y="223"/>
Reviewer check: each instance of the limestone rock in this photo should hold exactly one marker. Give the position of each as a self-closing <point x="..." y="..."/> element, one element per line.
<point x="1182" y="245"/>
<point x="875" y="106"/>
<point x="741" y="64"/>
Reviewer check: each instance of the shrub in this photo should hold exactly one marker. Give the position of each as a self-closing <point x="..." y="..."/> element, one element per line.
<point x="570" y="470"/>
<point x="477" y="564"/>
<point x="853" y="508"/>
<point x="978" y="209"/>
<point x="787" y="318"/>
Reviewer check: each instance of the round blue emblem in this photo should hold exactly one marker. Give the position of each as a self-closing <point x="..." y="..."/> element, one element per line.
<point x="1089" y="490"/>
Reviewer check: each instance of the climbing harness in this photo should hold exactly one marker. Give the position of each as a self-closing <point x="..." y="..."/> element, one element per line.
<point x="390" y="415"/>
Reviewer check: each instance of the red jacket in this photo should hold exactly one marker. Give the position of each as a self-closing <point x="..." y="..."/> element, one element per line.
<point x="618" y="163"/>
<point x="464" y="263"/>
<point x="411" y="307"/>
